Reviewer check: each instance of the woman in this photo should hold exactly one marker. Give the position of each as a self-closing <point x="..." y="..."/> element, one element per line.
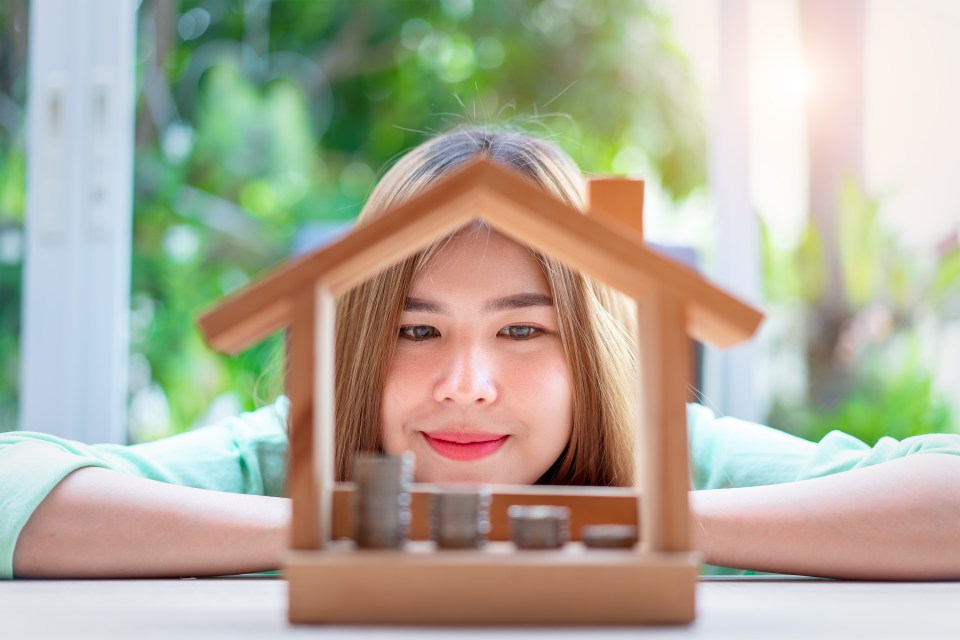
<point x="588" y="326"/>
<point x="493" y="364"/>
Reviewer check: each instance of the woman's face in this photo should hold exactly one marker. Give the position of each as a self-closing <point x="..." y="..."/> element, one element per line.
<point x="479" y="389"/>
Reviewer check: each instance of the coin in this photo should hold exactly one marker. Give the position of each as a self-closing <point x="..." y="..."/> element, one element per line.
<point x="539" y="526"/>
<point x="460" y="517"/>
<point x="609" y="536"/>
<point x="382" y="500"/>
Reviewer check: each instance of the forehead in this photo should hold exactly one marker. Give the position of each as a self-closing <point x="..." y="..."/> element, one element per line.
<point x="480" y="259"/>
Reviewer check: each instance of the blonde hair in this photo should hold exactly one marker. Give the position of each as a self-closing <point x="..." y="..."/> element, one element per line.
<point x="594" y="321"/>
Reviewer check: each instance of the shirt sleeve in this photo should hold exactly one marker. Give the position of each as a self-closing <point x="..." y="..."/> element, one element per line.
<point x="244" y="454"/>
<point x="728" y="452"/>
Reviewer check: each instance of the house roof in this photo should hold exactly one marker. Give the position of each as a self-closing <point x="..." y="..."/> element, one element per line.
<point x="596" y="245"/>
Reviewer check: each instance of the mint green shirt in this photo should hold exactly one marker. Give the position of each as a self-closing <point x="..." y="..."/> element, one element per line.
<point x="247" y="454"/>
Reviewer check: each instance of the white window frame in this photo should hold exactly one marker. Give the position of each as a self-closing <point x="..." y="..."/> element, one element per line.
<point x="76" y="277"/>
<point x="732" y="376"/>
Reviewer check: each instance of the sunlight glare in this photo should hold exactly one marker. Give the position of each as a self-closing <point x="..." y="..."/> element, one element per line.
<point x="798" y="82"/>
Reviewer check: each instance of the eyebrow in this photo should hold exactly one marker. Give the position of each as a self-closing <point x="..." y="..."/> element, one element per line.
<point x="506" y="303"/>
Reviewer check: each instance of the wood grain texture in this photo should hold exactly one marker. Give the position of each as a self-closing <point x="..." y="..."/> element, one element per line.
<point x="588" y="505"/>
<point x="596" y="247"/>
<point x="324" y="426"/>
<point x="300" y="387"/>
<point x="665" y="359"/>
<point x="510" y="204"/>
<point x="496" y="586"/>
<point x="260" y="309"/>
<point x="330" y="582"/>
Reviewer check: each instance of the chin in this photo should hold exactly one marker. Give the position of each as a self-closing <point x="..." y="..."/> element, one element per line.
<point x="464" y="475"/>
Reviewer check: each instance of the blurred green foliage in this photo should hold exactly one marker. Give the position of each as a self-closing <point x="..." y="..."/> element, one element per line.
<point x="896" y="301"/>
<point x="259" y="120"/>
<point x="12" y="169"/>
<point x="893" y="395"/>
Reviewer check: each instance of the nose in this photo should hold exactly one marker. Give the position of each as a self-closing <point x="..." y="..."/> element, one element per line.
<point x="467" y="376"/>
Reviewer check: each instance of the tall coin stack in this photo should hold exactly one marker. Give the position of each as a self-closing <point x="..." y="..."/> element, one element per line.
<point x="460" y="517"/>
<point x="539" y="526"/>
<point x="382" y="500"/>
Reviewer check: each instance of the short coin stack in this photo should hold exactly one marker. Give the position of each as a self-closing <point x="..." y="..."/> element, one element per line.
<point x="382" y="500"/>
<point x="460" y="517"/>
<point x="539" y="526"/>
<point x="609" y="536"/>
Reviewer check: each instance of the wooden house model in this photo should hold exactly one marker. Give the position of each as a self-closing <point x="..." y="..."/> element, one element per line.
<point x="332" y="582"/>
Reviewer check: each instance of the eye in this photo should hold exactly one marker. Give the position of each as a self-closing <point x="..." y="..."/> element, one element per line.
<point x="418" y="332"/>
<point x="520" y="331"/>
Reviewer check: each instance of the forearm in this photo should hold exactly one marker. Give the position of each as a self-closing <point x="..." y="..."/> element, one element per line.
<point x="897" y="520"/>
<point x="98" y="523"/>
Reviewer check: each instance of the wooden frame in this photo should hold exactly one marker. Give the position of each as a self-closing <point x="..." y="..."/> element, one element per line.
<point x="331" y="582"/>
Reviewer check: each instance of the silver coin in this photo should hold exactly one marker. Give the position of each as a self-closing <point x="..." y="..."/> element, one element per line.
<point x="382" y="500"/>
<point x="539" y="526"/>
<point x="609" y="536"/>
<point x="460" y="517"/>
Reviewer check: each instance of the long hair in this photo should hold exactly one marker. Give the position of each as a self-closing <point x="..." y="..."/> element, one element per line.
<point x="594" y="321"/>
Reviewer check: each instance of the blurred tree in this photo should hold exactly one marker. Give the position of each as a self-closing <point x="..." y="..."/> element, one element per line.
<point x="260" y="120"/>
<point x="896" y="303"/>
<point x="863" y="298"/>
<point x="833" y="39"/>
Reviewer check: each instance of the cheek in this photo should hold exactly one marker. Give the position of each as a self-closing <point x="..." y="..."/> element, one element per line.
<point x="546" y="390"/>
<point x="392" y="408"/>
<point x="402" y="391"/>
<point x="547" y="377"/>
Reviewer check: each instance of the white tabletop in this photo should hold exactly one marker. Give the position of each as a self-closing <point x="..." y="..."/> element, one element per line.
<point x="256" y="608"/>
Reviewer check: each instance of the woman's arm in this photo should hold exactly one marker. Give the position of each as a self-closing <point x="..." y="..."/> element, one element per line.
<point x="98" y="523"/>
<point x="898" y="520"/>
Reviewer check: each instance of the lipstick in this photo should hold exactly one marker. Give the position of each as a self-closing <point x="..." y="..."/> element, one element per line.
<point x="458" y="445"/>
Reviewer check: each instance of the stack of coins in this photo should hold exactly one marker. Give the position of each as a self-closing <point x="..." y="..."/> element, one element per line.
<point x="609" y="536"/>
<point x="382" y="500"/>
<point x="460" y="517"/>
<point x="539" y="527"/>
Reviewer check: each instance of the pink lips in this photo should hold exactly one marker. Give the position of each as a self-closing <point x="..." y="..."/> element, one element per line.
<point x="457" y="445"/>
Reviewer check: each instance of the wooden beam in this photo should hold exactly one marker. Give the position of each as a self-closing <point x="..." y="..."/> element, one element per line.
<point x="588" y="505"/>
<point x="262" y="308"/>
<point x="603" y="251"/>
<point x="324" y="430"/>
<point x="301" y="479"/>
<point x="665" y="361"/>
<point x="617" y="199"/>
<point x="592" y="245"/>
<point x="511" y="204"/>
<point x="493" y="586"/>
<point x="234" y="326"/>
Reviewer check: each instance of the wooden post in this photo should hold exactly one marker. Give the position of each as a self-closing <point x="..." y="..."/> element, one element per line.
<point x="664" y="459"/>
<point x="617" y="199"/>
<point x="324" y="412"/>
<point x="301" y="481"/>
